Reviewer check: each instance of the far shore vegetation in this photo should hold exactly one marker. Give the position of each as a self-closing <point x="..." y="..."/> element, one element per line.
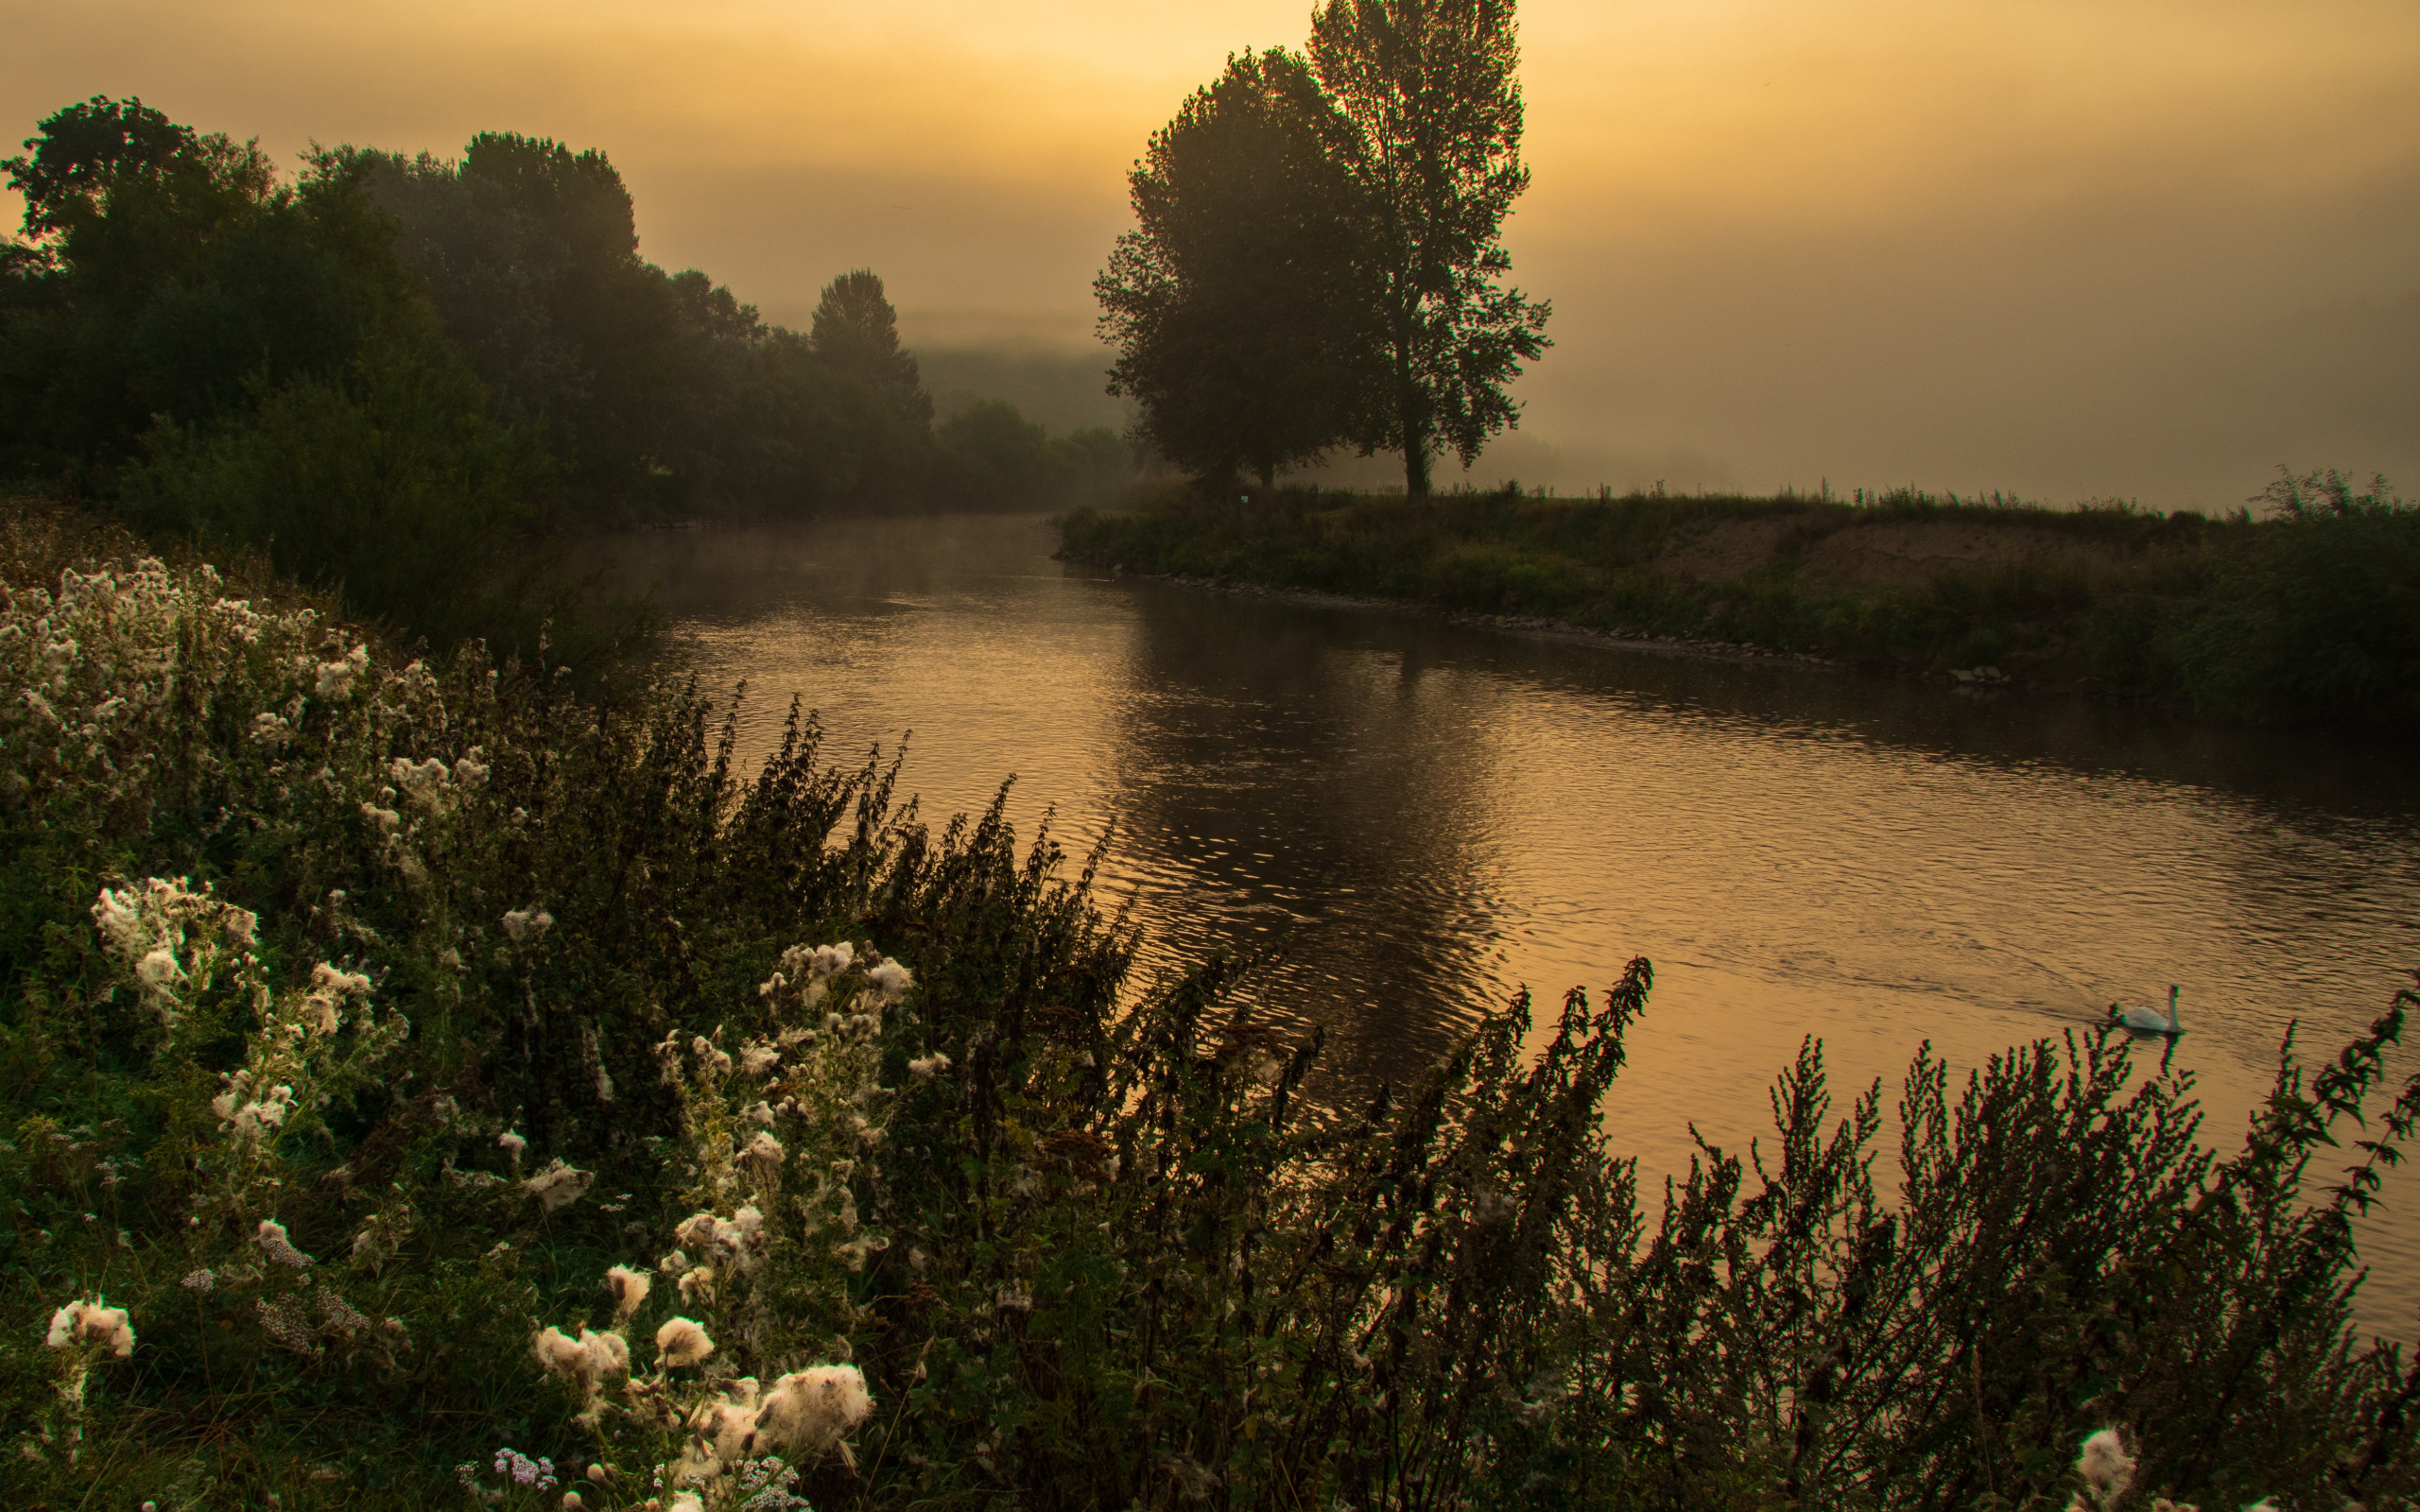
<point x="2302" y="603"/>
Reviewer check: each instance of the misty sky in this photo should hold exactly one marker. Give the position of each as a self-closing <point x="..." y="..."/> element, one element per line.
<point x="2143" y="249"/>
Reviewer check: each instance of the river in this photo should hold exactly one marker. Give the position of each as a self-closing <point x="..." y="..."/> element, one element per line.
<point x="1423" y="815"/>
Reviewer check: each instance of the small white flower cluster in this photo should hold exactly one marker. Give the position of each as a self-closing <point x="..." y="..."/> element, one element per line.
<point x="278" y="1246"/>
<point x="809" y="1097"/>
<point x="294" y="1049"/>
<point x="807" y="1412"/>
<point x="93" y="1322"/>
<point x="808" y="970"/>
<point x="170" y="939"/>
<point x="558" y="1185"/>
<point x="585" y="1364"/>
<point x="336" y="678"/>
<point x="526" y="926"/>
<point x="248" y="1112"/>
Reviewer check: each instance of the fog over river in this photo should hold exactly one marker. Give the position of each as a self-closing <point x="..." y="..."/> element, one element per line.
<point x="1429" y="816"/>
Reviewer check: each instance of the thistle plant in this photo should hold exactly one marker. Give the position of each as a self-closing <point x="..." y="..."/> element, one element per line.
<point x="758" y="1273"/>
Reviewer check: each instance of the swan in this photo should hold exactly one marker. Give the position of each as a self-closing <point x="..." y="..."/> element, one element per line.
<point x="2147" y="1020"/>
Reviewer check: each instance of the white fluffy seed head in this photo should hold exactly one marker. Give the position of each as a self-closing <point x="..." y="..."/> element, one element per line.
<point x="629" y="1288"/>
<point x="91" y="1322"/>
<point x="810" y="1411"/>
<point x="558" y="1185"/>
<point x="682" y="1342"/>
<point x="2105" y="1466"/>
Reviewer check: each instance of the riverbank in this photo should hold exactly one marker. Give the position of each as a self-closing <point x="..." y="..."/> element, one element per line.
<point x="2314" y="612"/>
<point x="423" y="1086"/>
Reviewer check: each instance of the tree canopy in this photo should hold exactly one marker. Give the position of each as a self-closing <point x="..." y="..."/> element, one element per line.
<point x="1317" y="259"/>
<point x="1237" y="305"/>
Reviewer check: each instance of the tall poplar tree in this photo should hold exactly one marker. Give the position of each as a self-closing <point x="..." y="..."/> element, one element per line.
<point x="1425" y="120"/>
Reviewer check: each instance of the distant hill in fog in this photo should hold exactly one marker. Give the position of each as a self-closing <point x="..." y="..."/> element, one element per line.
<point x="1060" y="388"/>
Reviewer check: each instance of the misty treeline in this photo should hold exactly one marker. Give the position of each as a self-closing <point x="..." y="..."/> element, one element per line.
<point x="396" y="372"/>
<point x="409" y="1073"/>
<point x="1315" y="263"/>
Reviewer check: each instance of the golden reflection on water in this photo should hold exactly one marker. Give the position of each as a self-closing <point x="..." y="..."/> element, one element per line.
<point x="1419" y="816"/>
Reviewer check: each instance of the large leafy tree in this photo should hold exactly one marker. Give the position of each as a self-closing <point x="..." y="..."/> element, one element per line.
<point x="530" y="252"/>
<point x="1238" y="307"/>
<point x="1425" y="122"/>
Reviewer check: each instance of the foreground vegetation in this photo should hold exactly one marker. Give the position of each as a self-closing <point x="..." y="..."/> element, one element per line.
<point x="2311" y="610"/>
<point x="423" y="1088"/>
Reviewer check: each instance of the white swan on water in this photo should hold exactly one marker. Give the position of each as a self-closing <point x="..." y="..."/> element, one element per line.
<point x="2147" y="1021"/>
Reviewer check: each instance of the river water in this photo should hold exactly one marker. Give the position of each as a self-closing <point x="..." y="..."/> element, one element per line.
<point x="1424" y="815"/>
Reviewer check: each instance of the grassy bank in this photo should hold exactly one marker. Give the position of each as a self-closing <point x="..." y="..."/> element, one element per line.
<point x="422" y="1087"/>
<point x="2312" y="610"/>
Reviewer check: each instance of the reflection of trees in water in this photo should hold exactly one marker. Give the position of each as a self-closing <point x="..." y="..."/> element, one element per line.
<point x="1328" y="793"/>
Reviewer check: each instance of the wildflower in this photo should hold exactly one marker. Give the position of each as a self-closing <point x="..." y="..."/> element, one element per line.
<point x="286" y="1325"/>
<point x="890" y="980"/>
<point x="270" y="730"/>
<point x="513" y="1144"/>
<point x="200" y="1280"/>
<point x="711" y="1060"/>
<point x="525" y="1470"/>
<point x="336" y="678"/>
<point x="247" y="1118"/>
<point x="756" y="1058"/>
<point x="424" y="782"/>
<point x="388" y="820"/>
<point x="763" y="1151"/>
<point x="558" y="1185"/>
<point x="762" y="1112"/>
<point x="924" y="1068"/>
<point x="684" y="1501"/>
<point x="526" y="926"/>
<point x="853" y="1254"/>
<point x="811" y="1410"/>
<point x="272" y="1237"/>
<point x="2106" y="1466"/>
<point x="728" y="1418"/>
<point x="326" y="978"/>
<point x="698" y="1285"/>
<point x="158" y="969"/>
<point x="92" y="1322"/>
<point x="682" y="1342"/>
<point x="597" y="1473"/>
<point x="629" y="1288"/>
<point x="572" y="1501"/>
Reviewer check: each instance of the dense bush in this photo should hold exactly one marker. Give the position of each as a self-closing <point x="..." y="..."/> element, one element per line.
<point x="2314" y="610"/>
<point x="421" y="1086"/>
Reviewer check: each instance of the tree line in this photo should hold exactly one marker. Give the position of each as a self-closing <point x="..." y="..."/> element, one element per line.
<point x="387" y="367"/>
<point x="1316" y="263"/>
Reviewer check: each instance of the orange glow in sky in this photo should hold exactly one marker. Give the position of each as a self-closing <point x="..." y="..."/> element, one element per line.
<point x="2136" y="248"/>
